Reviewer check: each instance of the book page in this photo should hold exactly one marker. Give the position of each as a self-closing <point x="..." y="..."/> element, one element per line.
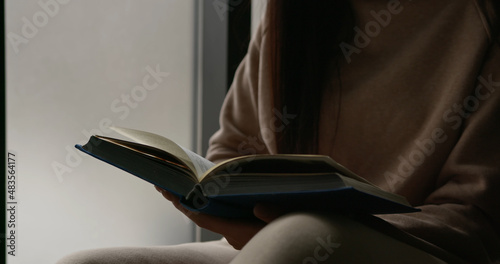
<point x="196" y="163"/>
<point x="285" y="163"/>
<point x="201" y="164"/>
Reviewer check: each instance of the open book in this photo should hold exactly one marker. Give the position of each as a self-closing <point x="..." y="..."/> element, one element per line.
<point x="233" y="187"/>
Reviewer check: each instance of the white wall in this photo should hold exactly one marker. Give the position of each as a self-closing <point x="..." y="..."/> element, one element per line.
<point x="68" y="70"/>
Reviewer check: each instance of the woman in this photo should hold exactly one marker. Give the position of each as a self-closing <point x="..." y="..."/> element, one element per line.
<point x="401" y="92"/>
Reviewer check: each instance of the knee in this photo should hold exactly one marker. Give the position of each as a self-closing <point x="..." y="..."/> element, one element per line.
<point x="95" y="256"/>
<point x="338" y="228"/>
<point x="326" y="238"/>
<point x="83" y="257"/>
<point x="309" y="237"/>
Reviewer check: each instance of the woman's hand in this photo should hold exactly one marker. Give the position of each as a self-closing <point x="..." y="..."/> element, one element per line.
<point x="236" y="232"/>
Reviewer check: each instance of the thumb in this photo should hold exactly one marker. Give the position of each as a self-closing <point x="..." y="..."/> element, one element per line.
<point x="268" y="212"/>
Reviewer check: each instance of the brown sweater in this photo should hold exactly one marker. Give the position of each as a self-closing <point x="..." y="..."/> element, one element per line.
<point x="415" y="110"/>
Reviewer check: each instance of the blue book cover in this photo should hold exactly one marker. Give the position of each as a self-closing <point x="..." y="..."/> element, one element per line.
<point x="232" y="188"/>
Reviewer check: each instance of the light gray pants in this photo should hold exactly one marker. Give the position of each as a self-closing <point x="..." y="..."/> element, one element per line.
<point x="294" y="238"/>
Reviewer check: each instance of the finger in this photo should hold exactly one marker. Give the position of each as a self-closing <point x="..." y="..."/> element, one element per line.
<point x="220" y="225"/>
<point x="168" y="195"/>
<point x="268" y="212"/>
<point x="158" y="188"/>
<point x="237" y="232"/>
<point x="240" y="235"/>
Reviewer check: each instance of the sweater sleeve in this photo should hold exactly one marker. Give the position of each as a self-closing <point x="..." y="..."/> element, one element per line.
<point x="241" y="131"/>
<point x="462" y="214"/>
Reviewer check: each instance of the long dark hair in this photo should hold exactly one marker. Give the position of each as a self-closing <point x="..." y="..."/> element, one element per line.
<point x="306" y="36"/>
<point x="494" y="19"/>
